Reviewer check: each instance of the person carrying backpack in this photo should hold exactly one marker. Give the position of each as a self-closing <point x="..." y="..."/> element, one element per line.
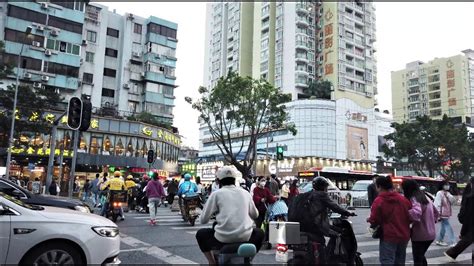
<point x="311" y="211"/>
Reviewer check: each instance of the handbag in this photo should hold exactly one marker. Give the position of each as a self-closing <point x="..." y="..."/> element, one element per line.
<point x="378" y="230"/>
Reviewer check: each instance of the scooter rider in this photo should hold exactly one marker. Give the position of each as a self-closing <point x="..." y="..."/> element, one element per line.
<point x="234" y="211"/>
<point x="187" y="188"/>
<point x="115" y="184"/>
<point x="319" y="203"/>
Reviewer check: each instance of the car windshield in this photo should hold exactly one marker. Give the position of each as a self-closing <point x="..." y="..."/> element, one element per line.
<point x="21" y="203"/>
<point x="359" y="186"/>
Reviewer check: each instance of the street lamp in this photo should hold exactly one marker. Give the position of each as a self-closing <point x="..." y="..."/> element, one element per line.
<point x="17" y="83"/>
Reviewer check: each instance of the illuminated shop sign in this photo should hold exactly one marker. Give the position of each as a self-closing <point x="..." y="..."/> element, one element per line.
<point x="41" y="151"/>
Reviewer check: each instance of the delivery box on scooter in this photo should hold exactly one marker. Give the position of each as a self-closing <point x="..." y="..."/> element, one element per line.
<point x="284" y="233"/>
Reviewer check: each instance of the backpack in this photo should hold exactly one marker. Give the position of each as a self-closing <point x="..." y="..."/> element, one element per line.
<point x="300" y="210"/>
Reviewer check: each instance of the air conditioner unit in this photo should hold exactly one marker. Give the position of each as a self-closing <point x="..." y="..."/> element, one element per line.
<point x="27" y="75"/>
<point x="54" y="32"/>
<point x="40" y="27"/>
<point x="44" y="5"/>
<point x="130" y="16"/>
<point x="36" y="44"/>
<point x="81" y="61"/>
<point x="143" y="74"/>
<point x="47" y="52"/>
<point x="37" y="85"/>
<point x="126" y="86"/>
<point x="45" y="78"/>
<point x="84" y="42"/>
<point x="136" y="54"/>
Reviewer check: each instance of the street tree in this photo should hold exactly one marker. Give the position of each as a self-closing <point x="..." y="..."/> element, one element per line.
<point x="31" y="106"/>
<point x="432" y="147"/>
<point x="319" y="89"/>
<point x="238" y="111"/>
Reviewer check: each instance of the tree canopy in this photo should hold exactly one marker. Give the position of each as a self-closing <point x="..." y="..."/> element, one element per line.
<point x="238" y="111"/>
<point x="319" y="89"/>
<point x="432" y="147"/>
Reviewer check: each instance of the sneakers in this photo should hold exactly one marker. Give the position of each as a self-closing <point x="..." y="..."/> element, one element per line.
<point x="451" y="258"/>
<point x="152" y="222"/>
<point x="441" y="243"/>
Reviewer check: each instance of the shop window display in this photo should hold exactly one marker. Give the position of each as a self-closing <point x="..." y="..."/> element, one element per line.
<point x="96" y="143"/>
<point x="138" y="151"/>
<point x="144" y="149"/>
<point x="82" y="144"/>
<point x="129" y="151"/>
<point x="119" y="148"/>
<point x="107" y="146"/>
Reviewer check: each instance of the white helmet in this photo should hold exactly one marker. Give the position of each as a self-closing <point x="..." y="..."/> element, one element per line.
<point x="228" y="171"/>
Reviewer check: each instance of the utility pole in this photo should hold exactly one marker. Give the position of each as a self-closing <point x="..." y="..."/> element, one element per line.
<point x="52" y="149"/>
<point x="75" y="140"/>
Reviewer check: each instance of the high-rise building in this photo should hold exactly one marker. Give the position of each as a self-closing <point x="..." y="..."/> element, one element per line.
<point x="293" y="45"/>
<point x="438" y="87"/>
<point x="126" y="63"/>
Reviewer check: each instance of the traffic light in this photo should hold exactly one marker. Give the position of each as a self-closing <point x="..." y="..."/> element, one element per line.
<point x="279" y="152"/>
<point x="86" y="114"/>
<point x="74" y="113"/>
<point x="150" y="156"/>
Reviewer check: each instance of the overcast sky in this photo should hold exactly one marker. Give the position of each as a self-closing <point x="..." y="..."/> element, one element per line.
<point x="405" y="32"/>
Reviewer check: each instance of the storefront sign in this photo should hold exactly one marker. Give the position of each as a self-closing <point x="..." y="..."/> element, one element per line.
<point x="40" y="151"/>
<point x="283" y="167"/>
<point x="138" y="170"/>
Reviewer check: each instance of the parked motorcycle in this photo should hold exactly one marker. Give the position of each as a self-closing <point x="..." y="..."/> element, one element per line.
<point x="190" y="209"/>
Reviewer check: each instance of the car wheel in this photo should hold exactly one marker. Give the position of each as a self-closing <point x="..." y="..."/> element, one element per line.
<point x="53" y="253"/>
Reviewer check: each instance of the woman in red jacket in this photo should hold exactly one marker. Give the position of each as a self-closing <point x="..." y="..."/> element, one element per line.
<point x="262" y="195"/>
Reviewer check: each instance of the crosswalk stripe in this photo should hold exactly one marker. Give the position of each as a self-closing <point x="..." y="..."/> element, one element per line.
<point x="375" y="253"/>
<point x="464" y="257"/>
<point x="196" y="226"/>
<point x="158" y="216"/>
<point x="154" y="251"/>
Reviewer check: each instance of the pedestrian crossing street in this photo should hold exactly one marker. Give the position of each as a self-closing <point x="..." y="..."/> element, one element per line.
<point x="367" y="246"/>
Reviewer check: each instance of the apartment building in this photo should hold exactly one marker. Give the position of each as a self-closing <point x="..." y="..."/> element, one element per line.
<point x="438" y="87"/>
<point x="126" y="63"/>
<point x="293" y="45"/>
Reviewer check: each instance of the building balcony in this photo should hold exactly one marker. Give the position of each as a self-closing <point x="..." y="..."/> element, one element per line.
<point x="302" y="45"/>
<point x="302" y="58"/>
<point x="159" y="39"/>
<point x="302" y="8"/>
<point x="302" y="21"/>
<point x="158" y="77"/>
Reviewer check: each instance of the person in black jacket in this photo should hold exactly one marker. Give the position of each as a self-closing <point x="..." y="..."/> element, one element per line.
<point x="466" y="218"/>
<point x="53" y="188"/>
<point x="372" y="192"/>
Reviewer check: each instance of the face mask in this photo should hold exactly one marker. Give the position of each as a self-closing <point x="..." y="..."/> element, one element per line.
<point x="446" y="187"/>
<point x="262" y="184"/>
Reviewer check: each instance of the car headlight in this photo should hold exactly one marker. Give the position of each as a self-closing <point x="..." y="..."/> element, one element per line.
<point x="106" y="231"/>
<point x="82" y="209"/>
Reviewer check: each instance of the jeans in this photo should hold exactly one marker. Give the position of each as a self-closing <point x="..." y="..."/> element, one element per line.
<point x="153" y="204"/>
<point x="446" y="227"/>
<point x="392" y="253"/>
<point x="85" y="196"/>
<point x="95" y="197"/>
<point x="207" y="241"/>
<point x="419" y="249"/>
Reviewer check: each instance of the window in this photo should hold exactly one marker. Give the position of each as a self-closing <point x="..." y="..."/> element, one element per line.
<point x="74" y="5"/>
<point x="137" y="28"/>
<point x="26" y="62"/>
<point x="167" y="90"/>
<point x="63" y="47"/>
<point x="26" y="14"/>
<point x="60" y="69"/>
<point x="87" y="78"/>
<point x="111" y="52"/>
<point x="108" y="93"/>
<point x="113" y="32"/>
<point x="20" y="37"/>
<point x="110" y="72"/>
<point x="161" y="50"/>
<point x="65" y="24"/>
<point x="91" y="36"/>
<point x="90" y="57"/>
<point x="162" y="30"/>
<point x="132" y="106"/>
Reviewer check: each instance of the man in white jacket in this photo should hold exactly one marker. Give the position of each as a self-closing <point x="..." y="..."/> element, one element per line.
<point x="234" y="219"/>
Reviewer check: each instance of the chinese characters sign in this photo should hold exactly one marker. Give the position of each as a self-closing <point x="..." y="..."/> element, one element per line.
<point x="329" y="45"/>
<point x="41" y="151"/>
<point x="161" y="134"/>
<point x="451" y="85"/>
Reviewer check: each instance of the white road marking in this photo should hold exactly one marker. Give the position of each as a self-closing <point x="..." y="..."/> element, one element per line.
<point x="133" y="250"/>
<point x="444" y="260"/>
<point x="155" y="251"/>
<point x="159" y="217"/>
<point x="375" y="253"/>
<point x="191" y="227"/>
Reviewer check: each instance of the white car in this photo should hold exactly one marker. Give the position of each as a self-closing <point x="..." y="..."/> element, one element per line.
<point x="31" y="234"/>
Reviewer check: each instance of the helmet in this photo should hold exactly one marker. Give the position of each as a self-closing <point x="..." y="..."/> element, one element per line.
<point x="129" y="177"/>
<point x="320" y="183"/>
<point x="227" y="171"/>
<point x="117" y="174"/>
<point x="187" y="177"/>
<point x="145" y="177"/>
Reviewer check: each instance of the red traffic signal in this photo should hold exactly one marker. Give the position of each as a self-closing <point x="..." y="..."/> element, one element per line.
<point x="74" y="113"/>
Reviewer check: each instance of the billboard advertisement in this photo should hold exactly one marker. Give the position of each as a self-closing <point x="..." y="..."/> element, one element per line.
<point x="357" y="143"/>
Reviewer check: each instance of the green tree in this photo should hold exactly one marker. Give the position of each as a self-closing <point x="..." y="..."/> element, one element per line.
<point x="319" y="89"/>
<point x="31" y="105"/>
<point x="237" y="112"/>
<point x="432" y="147"/>
<point x="149" y="118"/>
